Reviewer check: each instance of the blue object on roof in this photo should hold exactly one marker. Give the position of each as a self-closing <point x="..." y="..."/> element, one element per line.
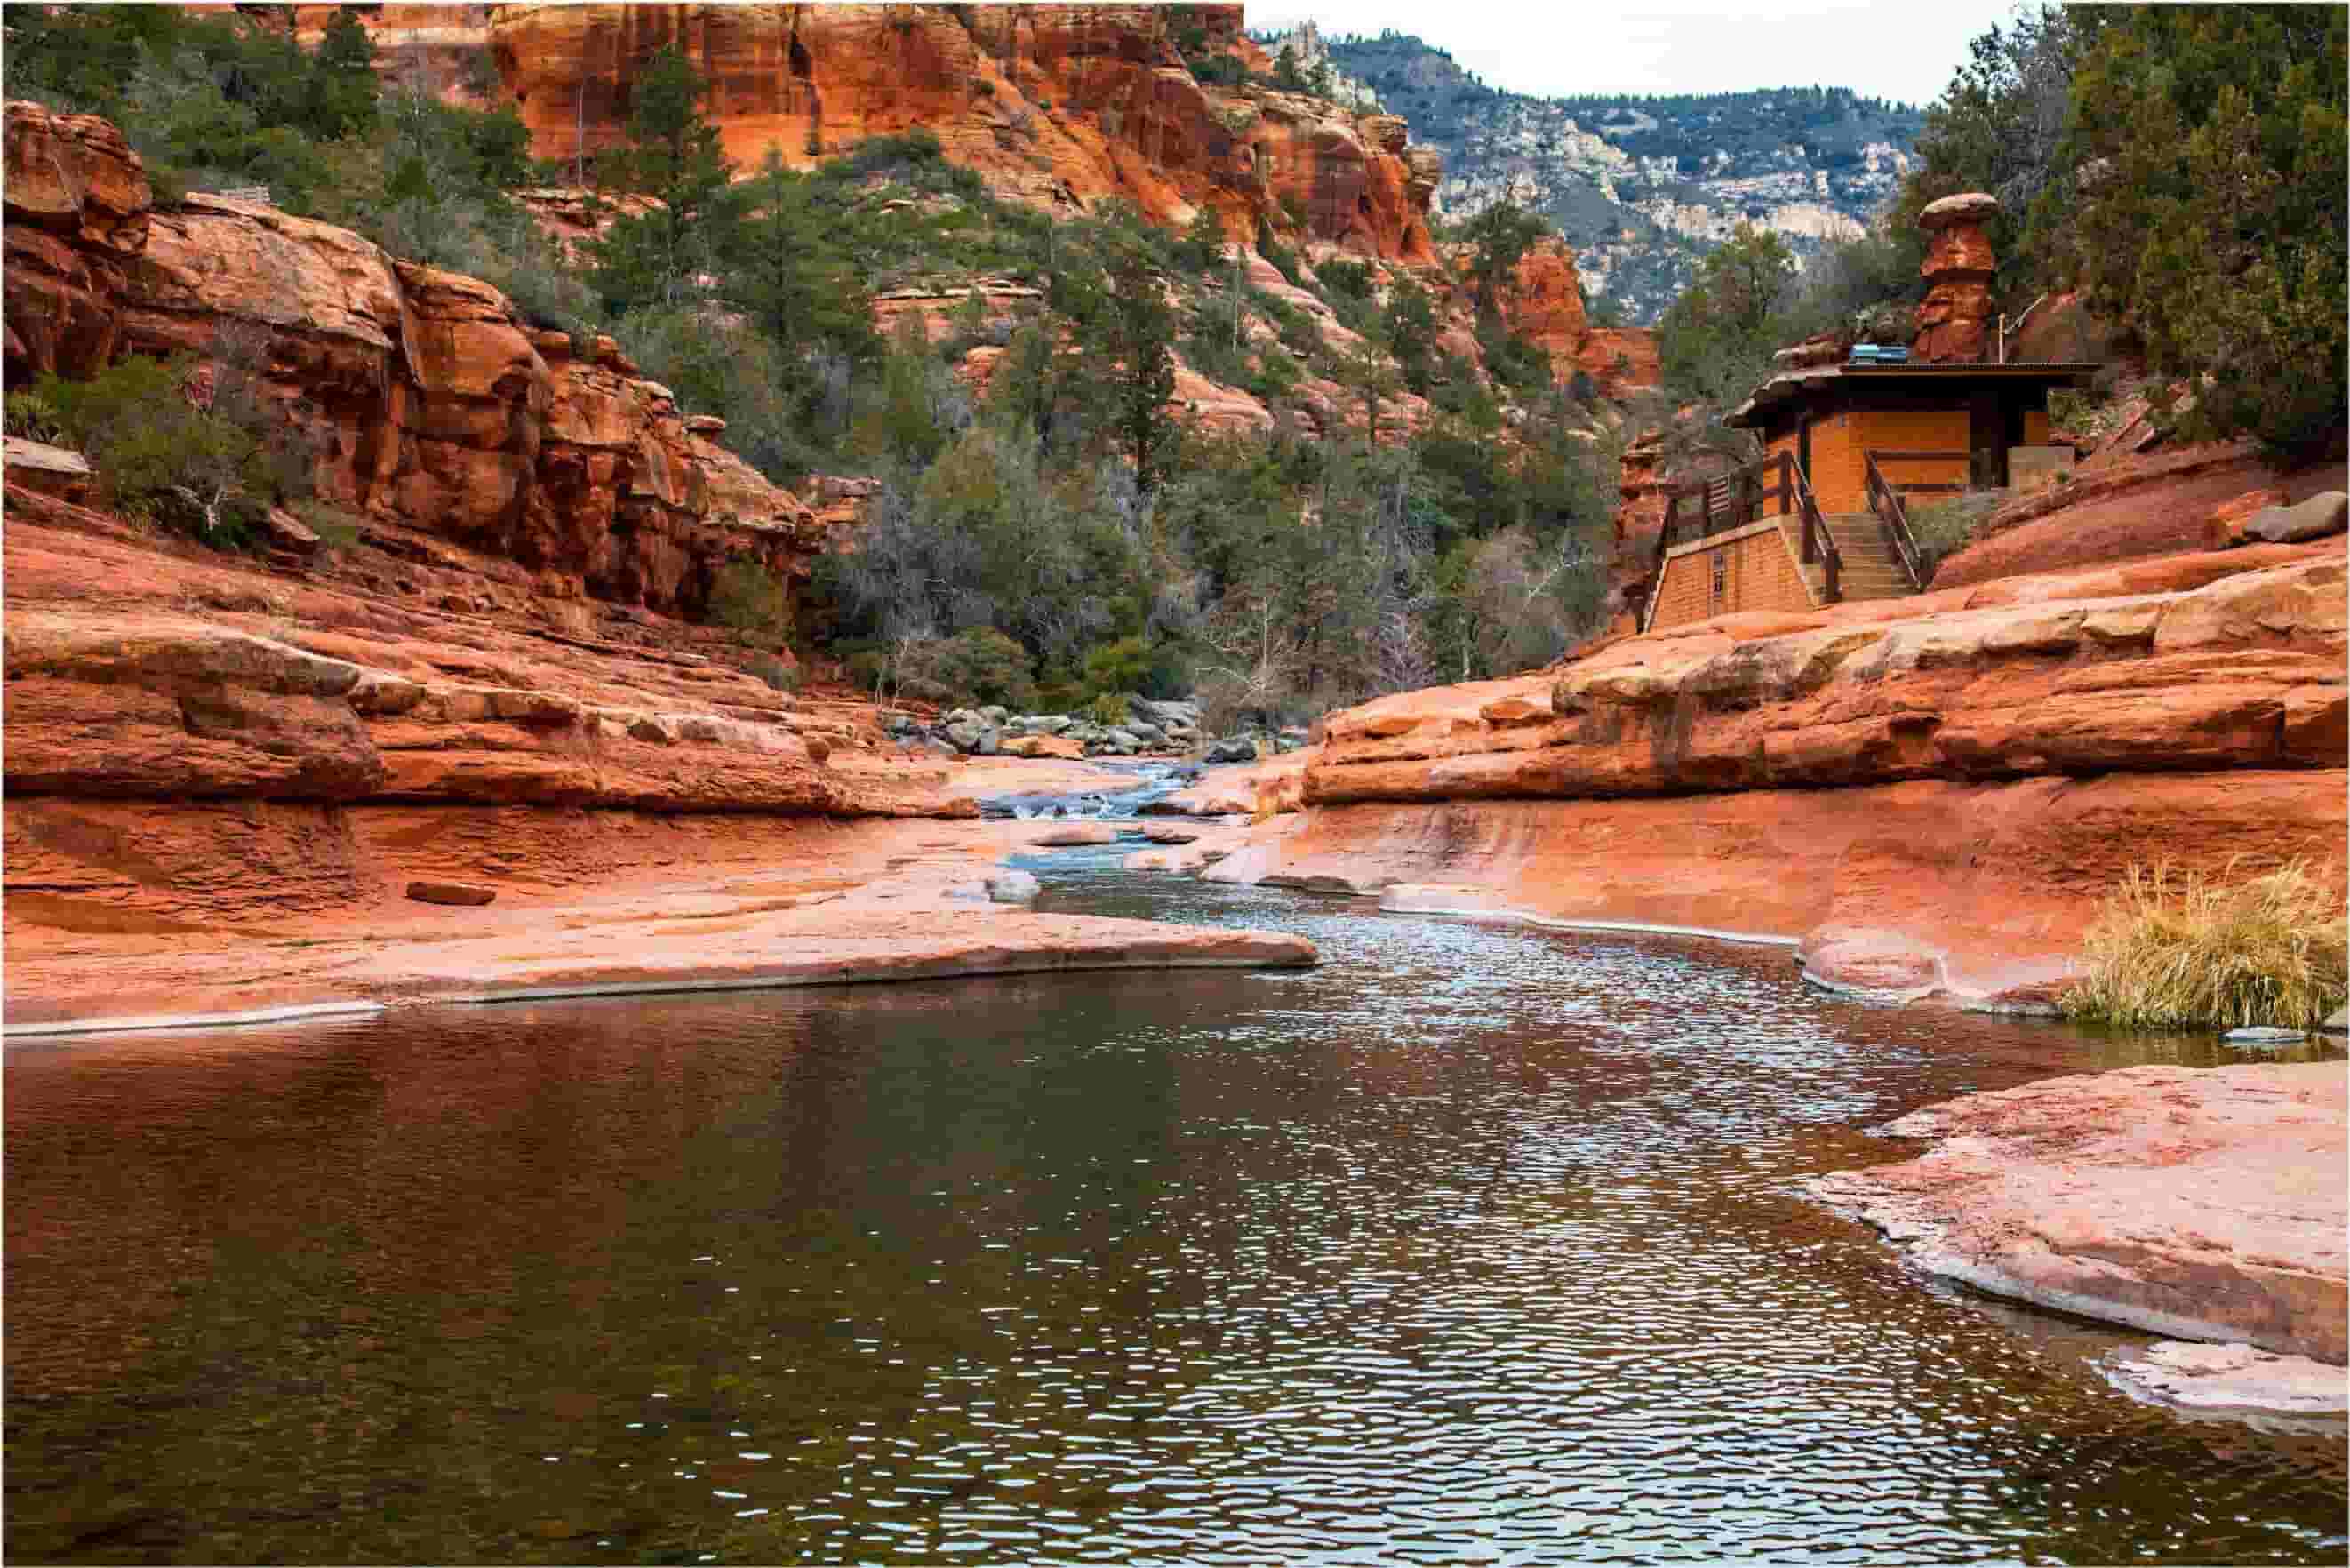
<point x="1879" y="353"/>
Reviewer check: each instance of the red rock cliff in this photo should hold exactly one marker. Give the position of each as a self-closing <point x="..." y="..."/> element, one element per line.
<point x="1930" y="793"/>
<point x="1062" y="106"/>
<point x="431" y="406"/>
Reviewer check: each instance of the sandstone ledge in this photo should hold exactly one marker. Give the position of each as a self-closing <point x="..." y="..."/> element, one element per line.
<point x="2236" y="1380"/>
<point x="828" y="905"/>
<point x="1975" y="894"/>
<point x="2204" y="1204"/>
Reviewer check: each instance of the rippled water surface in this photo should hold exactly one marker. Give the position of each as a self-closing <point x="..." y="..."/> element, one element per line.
<point x="1474" y="1245"/>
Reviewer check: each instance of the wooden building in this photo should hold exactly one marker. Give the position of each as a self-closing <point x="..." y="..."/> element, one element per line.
<point x="1824" y="516"/>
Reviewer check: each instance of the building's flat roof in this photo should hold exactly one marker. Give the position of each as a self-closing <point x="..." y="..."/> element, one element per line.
<point x="1792" y="384"/>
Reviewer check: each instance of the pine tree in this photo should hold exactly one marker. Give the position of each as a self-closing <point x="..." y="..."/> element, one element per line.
<point x="674" y="155"/>
<point x="1135" y="328"/>
<point x="2213" y="221"/>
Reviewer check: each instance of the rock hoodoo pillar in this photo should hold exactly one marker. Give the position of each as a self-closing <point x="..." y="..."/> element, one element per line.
<point x="1954" y="319"/>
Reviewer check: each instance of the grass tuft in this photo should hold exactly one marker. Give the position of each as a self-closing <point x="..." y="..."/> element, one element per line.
<point x="2172" y="952"/>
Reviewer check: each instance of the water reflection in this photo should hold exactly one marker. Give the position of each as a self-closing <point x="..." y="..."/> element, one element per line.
<point x="1473" y="1245"/>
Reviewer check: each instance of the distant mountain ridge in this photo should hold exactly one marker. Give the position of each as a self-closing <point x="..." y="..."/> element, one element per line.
<point x="1641" y="186"/>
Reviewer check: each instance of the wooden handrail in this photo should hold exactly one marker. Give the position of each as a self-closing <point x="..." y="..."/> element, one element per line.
<point x="1893" y="515"/>
<point x="1818" y="543"/>
<point x="1786" y="491"/>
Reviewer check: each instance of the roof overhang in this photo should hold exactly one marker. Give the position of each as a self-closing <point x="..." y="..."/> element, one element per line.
<point x="1795" y="386"/>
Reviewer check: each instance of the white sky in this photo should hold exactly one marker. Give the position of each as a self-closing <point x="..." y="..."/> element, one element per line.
<point x="1882" y="48"/>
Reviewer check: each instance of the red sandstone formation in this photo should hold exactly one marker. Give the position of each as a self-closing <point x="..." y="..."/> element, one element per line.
<point x="435" y="48"/>
<point x="2199" y="1204"/>
<point x="1621" y="360"/>
<point x="2129" y="507"/>
<point x="1932" y="793"/>
<point x="1542" y="304"/>
<point x="431" y="404"/>
<point x="1640" y="515"/>
<point x="76" y="211"/>
<point x="1062" y="106"/>
<point x="1954" y="320"/>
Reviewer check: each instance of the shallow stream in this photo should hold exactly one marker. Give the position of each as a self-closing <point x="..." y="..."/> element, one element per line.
<point x="1473" y="1245"/>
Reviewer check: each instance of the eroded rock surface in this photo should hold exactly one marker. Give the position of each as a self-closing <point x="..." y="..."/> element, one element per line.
<point x="1061" y="106"/>
<point x="1930" y="796"/>
<point x="2201" y="1204"/>
<point x="431" y="404"/>
<point x="2029" y="677"/>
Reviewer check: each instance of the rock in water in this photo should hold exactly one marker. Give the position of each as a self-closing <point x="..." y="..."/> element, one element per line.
<point x="461" y="893"/>
<point x="1075" y="833"/>
<point x="1013" y="888"/>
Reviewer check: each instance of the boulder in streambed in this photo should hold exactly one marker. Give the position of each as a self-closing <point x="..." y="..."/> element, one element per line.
<point x="462" y="894"/>
<point x="1012" y="887"/>
<point x="1075" y="834"/>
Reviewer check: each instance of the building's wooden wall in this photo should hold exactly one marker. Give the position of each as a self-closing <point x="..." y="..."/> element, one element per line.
<point x="1839" y="478"/>
<point x="1758" y="573"/>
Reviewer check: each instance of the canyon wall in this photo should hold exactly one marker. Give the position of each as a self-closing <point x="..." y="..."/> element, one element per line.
<point x="1932" y="793"/>
<point x="435" y="412"/>
<point x="1063" y="107"/>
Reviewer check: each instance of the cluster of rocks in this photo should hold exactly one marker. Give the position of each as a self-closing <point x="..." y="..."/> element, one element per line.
<point x="1151" y="728"/>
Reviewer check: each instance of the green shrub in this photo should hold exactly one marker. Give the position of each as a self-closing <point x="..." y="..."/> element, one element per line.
<point x="779" y="676"/>
<point x="33" y="417"/>
<point x="209" y="466"/>
<point x="1115" y="669"/>
<point x="1276" y="377"/>
<point x="978" y="665"/>
<point x="1352" y="279"/>
<point x="751" y="600"/>
<point x="336" y="528"/>
<point x="1945" y="527"/>
<point x="2268" y="952"/>
<point x="1109" y="710"/>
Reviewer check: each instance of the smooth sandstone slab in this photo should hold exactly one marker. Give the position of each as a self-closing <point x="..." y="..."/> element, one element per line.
<point x="2204" y="1204"/>
<point x="2232" y="1379"/>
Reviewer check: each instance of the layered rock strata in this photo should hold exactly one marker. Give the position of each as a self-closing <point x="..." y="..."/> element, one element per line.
<point x="1954" y="319"/>
<point x="613" y="902"/>
<point x="1062" y="106"/>
<point x="427" y="401"/>
<point x="1932" y="795"/>
<point x="76" y="202"/>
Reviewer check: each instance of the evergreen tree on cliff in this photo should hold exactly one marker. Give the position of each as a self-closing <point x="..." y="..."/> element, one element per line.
<point x="1126" y="317"/>
<point x="674" y="155"/>
<point x="1502" y="233"/>
<point x="1715" y="342"/>
<point x="2211" y="146"/>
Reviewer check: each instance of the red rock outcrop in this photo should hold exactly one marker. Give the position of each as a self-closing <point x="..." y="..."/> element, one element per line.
<point x="2200" y="1204"/>
<point x="1621" y="360"/>
<point x="2130" y="506"/>
<point x="1639" y="516"/>
<point x="1542" y="303"/>
<point x="1954" y="319"/>
<point x="77" y="205"/>
<point x="1061" y="106"/>
<point x="1932" y="793"/>
<point x="429" y="401"/>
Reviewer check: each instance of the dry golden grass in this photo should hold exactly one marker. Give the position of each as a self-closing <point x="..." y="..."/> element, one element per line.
<point x="2195" y="951"/>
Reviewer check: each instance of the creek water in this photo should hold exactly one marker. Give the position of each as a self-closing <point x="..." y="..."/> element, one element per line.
<point x="1473" y="1245"/>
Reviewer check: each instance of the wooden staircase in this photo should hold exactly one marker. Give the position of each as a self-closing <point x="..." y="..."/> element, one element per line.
<point x="1870" y="570"/>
